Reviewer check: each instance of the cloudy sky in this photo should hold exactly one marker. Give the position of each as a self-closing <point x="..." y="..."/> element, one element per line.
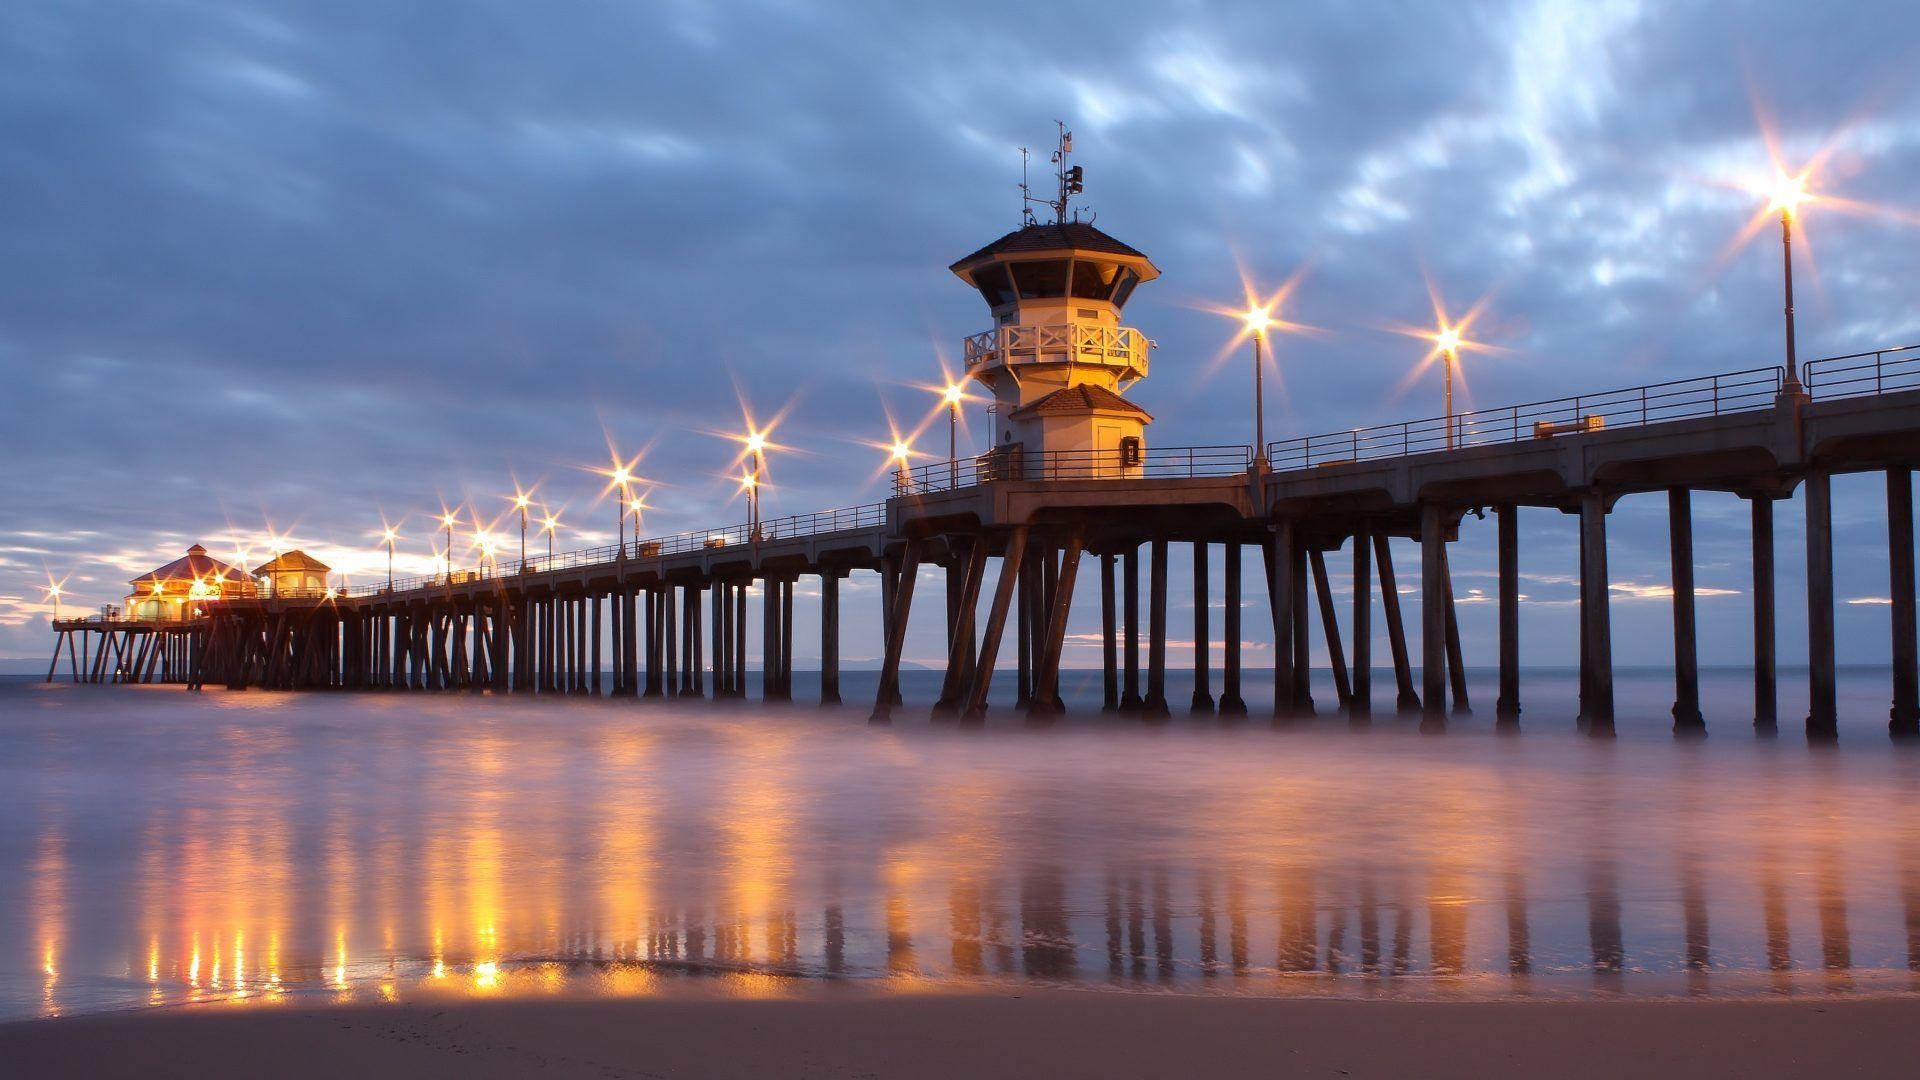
<point x="299" y="267"/>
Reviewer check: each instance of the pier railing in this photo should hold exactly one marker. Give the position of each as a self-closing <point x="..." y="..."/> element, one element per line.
<point x="1708" y="395"/>
<point x="1125" y="462"/>
<point x="789" y="527"/>
<point x="1857" y="374"/>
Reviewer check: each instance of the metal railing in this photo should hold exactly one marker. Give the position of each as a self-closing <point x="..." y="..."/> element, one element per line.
<point x="1154" y="462"/>
<point x="1086" y="343"/>
<point x="782" y="528"/>
<point x="1681" y="399"/>
<point x="1858" y="374"/>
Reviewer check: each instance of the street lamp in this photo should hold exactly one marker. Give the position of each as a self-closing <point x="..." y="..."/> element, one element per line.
<point x="902" y="480"/>
<point x="521" y="501"/>
<point x="54" y="592"/>
<point x="622" y="476"/>
<point x="389" y="534"/>
<point x="488" y="548"/>
<point x="1787" y="195"/>
<point x="449" y="520"/>
<point x="1258" y="320"/>
<point x="1447" y="341"/>
<point x="955" y="393"/>
<point x="549" y="525"/>
<point x="756" y="449"/>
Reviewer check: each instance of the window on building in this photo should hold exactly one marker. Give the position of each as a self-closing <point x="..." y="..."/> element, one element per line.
<point x="994" y="286"/>
<point x="1040" y="280"/>
<point x="1093" y="280"/>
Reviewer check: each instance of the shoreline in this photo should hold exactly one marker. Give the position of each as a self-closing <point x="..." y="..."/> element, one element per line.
<point x="853" y="1030"/>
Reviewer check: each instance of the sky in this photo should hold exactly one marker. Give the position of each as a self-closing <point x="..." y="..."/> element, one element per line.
<point x="277" y="274"/>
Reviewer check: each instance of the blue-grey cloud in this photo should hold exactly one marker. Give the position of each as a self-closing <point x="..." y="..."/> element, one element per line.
<point x="311" y="263"/>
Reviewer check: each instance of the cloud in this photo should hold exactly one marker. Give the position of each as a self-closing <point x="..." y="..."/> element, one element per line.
<point x="327" y="265"/>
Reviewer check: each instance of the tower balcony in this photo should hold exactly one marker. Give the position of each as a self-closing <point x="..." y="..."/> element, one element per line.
<point x="1115" y="347"/>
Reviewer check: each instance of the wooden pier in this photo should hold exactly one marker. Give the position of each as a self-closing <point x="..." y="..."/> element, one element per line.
<point x="667" y="617"/>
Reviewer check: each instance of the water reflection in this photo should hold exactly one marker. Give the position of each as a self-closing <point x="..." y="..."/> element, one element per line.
<point x="158" y="848"/>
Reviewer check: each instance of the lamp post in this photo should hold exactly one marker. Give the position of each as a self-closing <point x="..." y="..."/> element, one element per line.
<point x="54" y="591"/>
<point x="520" y="502"/>
<point x="390" y="535"/>
<point x="637" y="506"/>
<point x="1447" y="340"/>
<point x="622" y="476"/>
<point x="955" y="392"/>
<point x="1788" y="193"/>
<point x="450" y="520"/>
<point x="1258" y="320"/>
<point x="549" y="525"/>
<point x="902" y="480"/>
<point x="756" y="447"/>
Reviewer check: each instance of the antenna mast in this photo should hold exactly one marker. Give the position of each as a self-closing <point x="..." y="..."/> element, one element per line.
<point x="1070" y="179"/>
<point x="1026" y="192"/>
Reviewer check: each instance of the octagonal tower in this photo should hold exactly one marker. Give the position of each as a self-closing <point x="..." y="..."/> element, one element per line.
<point x="1057" y="358"/>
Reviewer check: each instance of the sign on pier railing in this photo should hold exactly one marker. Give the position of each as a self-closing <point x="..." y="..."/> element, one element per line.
<point x="1708" y="395"/>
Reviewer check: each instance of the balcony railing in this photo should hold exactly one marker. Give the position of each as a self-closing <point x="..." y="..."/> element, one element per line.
<point x="1709" y="395"/>
<point x="732" y="536"/>
<point x="1080" y="343"/>
<point x="1157" y="462"/>
<point x="1856" y="374"/>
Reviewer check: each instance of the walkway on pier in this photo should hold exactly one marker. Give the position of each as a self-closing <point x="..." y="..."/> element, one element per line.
<point x="669" y="614"/>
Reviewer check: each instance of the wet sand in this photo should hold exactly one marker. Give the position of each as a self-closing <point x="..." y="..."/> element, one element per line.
<point x="867" y="1032"/>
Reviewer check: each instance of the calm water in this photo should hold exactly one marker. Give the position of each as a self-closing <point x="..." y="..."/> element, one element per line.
<point x="158" y="846"/>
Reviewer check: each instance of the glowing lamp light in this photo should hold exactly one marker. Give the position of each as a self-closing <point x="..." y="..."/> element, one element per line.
<point x="54" y="590"/>
<point x="901" y="451"/>
<point x="389" y="535"/>
<point x="1258" y="319"/>
<point x="333" y="593"/>
<point x="748" y="483"/>
<point x="549" y="523"/>
<point x="622" y="476"/>
<point x="1787" y="193"/>
<point x="158" y="588"/>
<point x="756" y="442"/>
<point x="449" y="520"/>
<point x="1448" y="339"/>
<point x="955" y="393"/>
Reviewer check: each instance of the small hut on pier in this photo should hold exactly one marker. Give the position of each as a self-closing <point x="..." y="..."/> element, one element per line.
<point x="169" y="593"/>
<point x="295" y="573"/>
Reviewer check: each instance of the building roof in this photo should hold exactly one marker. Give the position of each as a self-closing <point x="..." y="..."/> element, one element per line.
<point x="1063" y="236"/>
<point x="196" y="565"/>
<point x="1082" y="399"/>
<point x="292" y="562"/>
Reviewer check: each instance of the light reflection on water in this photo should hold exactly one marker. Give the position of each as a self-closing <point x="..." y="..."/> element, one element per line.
<point x="159" y="847"/>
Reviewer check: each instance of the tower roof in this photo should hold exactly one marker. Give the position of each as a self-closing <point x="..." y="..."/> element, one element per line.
<point x="295" y="561"/>
<point x="194" y="566"/>
<point x="1061" y="236"/>
<point x="1087" y="397"/>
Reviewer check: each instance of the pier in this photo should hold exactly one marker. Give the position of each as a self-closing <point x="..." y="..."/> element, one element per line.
<point x="667" y="617"/>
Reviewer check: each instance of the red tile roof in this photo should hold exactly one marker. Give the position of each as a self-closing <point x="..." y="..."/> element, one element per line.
<point x="194" y="566"/>
<point x="292" y="562"/>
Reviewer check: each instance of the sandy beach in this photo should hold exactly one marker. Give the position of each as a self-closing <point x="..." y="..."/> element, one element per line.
<point x="867" y="1032"/>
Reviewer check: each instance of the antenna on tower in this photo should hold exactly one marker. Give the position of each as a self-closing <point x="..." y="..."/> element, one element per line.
<point x="1070" y="177"/>
<point x="1026" y="192"/>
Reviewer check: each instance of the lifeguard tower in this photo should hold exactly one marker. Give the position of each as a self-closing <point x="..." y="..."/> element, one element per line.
<point x="1058" y="359"/>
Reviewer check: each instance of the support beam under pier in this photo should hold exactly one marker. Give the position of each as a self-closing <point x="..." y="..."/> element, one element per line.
<point x="1903" y="719"/>
<point x="1687" y="719"/>
<point x="1822" y="706"/>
